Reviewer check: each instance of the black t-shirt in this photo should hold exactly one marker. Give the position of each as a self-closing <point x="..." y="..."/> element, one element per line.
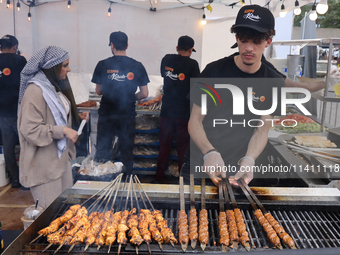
<point x="11" y="65"/>
<point x="177" y="71"/>
<point x="232" y="139"/>
<point x="119" y="77"/>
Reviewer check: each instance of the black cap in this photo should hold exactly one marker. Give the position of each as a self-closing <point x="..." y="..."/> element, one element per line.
<point x="118" y="39"/>
<point x="186" y="41"/>
<point x="255" y="17"/>
<point x="234" y="45"/>
<point x="8" y="41"/>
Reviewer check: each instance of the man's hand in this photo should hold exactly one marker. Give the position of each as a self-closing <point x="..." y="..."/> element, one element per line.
<point x="71" y="134"/>
<point x="84" y="116"/>
<point x="245" y="172"/>
<point x="334" y="76"/>
<point x="213" y="160"/>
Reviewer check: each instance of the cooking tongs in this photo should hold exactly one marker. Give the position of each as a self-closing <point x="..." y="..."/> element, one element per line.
<point x="240" y="224"/>
<point x="278" y="229"/>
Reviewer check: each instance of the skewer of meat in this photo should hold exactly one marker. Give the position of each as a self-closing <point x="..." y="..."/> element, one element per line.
<point x="223" y="228"/>
<point x="122" y="228"/>
<point x="162" y="225"/>
<point x="183" y="229"/>
<point x="232" y="227"/>
<point x="156" y="235"/>
<point x="241" y="227"/>
<point x="271" y="234"/>
<point x="193" y="219"/>
<point x="112" y="230"/>
<point x="75" y="222"/>
<point x="203" y="231"/>
<point x="80" y="236"/>
<point x="55" y="224"/>
<point x="100" y="240"/>
<point x="280" y="231"/>
<point x="93" y="231"/>
<point x="144" y="231"/>
<point x="132" y="223"/>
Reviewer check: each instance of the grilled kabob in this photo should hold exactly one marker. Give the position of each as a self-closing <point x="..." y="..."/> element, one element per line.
<point x="274" y="239"/>
<point x="96" y="225"/>
<point x="80" y="236"/>
<point x="156" y="235"/>
<point x="122" y="228"/>
<point x="113" y="228"/>
<point x="132" y="223"/>
<point x="232" y="227"/>
<point x="241" y="227"/>
<point x="143" y="228"/>
<point x="203" y="231"/>
<point x="183" y="229"/>
<point x="193" y="225"/>
<point x="223" y="228"/>
<point x="162" y="225"/>
<point x="100" y="240"/>
<point x="280" y="231"/>
<point x="54" y="225"/>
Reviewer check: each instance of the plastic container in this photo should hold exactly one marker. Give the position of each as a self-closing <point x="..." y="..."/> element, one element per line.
<point x="30" y="214"/>
<point x="298" y="72"/>
<point x="4" y="177"/>
<point x="293" y="61"/>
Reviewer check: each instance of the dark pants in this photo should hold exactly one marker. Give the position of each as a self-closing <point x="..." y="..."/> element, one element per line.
<point x="167" y="129"/>
<point x="8" y="126"/>
<point x="110" y="126"/>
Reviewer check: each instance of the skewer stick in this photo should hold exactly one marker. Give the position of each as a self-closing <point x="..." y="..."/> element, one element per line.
<point x="172" y="243"/>
<point x="117" y="189"/>
<point x="137" y="250"/>
<point x="108" y="251"/>
<point x="141" y="195"/>
<point x="98" y="247"/>
<point x="160" y="246"/>
<point x="121" y="197"/>
<point x="136" y="178"/>
<point x="71" y="248"/>
<point x="86" y="247"/>
<point x="149" y="249"/>
<point x="224" y="248"/>
<point x="35" y="239"/>
<point x="48" y="246"/>
<point x="59" y="247"/>
<point x="119" y="247"/>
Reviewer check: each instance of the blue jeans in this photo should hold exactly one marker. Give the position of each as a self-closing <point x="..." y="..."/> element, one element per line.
<point x="8" y="126"/>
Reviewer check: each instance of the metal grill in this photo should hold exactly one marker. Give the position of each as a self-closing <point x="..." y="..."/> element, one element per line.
<point x="309" y="229"/>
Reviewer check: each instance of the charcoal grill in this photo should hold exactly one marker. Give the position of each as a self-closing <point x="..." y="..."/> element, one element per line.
<point x="314" y="224"/>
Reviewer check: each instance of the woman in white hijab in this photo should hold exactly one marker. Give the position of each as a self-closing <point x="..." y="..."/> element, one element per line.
<point x="46" y="106"/>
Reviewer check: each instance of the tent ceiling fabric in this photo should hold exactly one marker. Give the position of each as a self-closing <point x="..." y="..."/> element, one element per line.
<point x="221" y="9"/>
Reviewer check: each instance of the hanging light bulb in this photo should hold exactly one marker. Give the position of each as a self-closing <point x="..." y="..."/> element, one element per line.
<point x="69" y="4"/>
<point x="109" y="12"/>
<point x="322" y="7"/>
<point x="18" y="6"/>
<point x="313" y="15"/>
<point x="29" y="16"/>
<point x="203" y="21"/>
<point x="8" y="3"/>
<point x="283" y="11"/>
<point x="297" y="10"/>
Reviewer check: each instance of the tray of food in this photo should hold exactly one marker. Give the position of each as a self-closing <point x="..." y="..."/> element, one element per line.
<point x="296" y="123"/>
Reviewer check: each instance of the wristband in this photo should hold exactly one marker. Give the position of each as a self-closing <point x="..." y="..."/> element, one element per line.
<point x="210" y="152"/>
<point x="246" y="157"/>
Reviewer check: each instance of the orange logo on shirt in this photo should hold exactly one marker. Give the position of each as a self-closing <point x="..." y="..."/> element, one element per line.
<point x="262" y="98"/>
<point x="181" y="76"/>
<point x="112" y="71"/>
<point x="130" y="76"/>
<point x="6" y="71"/>
<point x="169" y="69"/>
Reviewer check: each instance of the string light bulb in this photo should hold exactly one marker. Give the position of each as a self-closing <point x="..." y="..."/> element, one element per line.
<point x="8" y="3"/>
<point x="18" y="6"/>
<point x="297" y="10"/>
<point x="322" y="7"/>
<point x="69" y="4"/>
<point x="29" y="16"/>
<point x="109" y="12"/>
<point x="283" y="11"/>
<point x="203" y="21"/>
<point x="313" y="15"/>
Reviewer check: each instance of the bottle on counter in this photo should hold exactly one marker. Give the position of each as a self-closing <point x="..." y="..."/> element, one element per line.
<point x="1" y="240"/>
<point x="298" y="72"/>
<point x="284" y="69"/>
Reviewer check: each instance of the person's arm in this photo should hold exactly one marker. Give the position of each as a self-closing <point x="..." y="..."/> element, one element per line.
<point x="311" y="86"/>
<point x="256" y="145"/>
<point x="98" y="89"/>
<point x="143" y="93"/>
<point x="198" y="135"/>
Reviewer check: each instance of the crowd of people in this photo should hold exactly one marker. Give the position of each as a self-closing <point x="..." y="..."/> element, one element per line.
<point x="38" y="107"/>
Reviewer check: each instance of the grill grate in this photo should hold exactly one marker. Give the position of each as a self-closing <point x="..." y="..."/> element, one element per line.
<point x="309" y="229"/>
